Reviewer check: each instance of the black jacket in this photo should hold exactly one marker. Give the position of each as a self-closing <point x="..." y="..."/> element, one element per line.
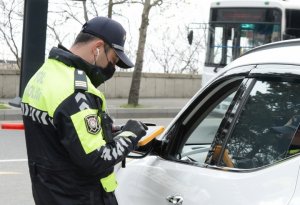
<point x="67" y="154"/>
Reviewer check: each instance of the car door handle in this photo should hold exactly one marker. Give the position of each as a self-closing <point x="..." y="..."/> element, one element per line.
<point x="175" y="199"/>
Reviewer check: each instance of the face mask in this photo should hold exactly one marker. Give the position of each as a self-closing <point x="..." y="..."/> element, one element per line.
<point x="108" y="71"/>
<point x="99" y="75"/>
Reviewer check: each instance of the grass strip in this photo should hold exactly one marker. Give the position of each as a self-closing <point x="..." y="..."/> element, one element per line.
<point x="3" y="106"/>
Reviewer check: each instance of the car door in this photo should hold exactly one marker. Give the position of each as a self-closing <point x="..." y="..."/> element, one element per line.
<point x="203" y="160"/>
<point x="150" y="180"/>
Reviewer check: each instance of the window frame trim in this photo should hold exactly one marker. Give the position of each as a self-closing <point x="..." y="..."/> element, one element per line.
<point x="170" y="152"/>
<point x="236" y="117"/>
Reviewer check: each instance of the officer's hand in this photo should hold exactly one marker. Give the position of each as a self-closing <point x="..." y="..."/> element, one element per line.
<point x="116" y="128"/>
<point x="136" y="127"/>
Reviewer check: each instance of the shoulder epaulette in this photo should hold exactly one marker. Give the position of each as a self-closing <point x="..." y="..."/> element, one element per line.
<point x="80" y="80"/>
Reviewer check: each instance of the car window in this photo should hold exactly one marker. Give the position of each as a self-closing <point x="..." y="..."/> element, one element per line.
<point x="206" y="130"/>
<point x="192" y="134"/>
<point x="266" y="131"/>
<point x="199" y="141"/>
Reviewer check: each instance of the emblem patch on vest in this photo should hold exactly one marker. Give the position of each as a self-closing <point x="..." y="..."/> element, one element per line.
<point x="92" y="124"/>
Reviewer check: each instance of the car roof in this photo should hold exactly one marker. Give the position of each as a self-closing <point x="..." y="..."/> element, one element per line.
<point x="282" y="52"/>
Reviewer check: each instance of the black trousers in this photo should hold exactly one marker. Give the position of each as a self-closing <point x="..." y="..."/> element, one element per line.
<point x="54" y="189"/>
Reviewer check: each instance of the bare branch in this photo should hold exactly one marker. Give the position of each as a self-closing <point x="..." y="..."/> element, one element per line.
<point x="136" y="2"/>
<point x="69" y="12"/>
<point x="9" y="37"/>
<point x="11" y="34"/>
<point x="157" y="2"/>
<point x="7" y="40"/>
<point x="120" y="2"/>
<point x="55" y="33"/>
<point x="94" y="7"/>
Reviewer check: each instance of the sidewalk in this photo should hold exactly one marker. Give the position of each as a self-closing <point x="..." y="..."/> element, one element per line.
<point x="150" y="108"/>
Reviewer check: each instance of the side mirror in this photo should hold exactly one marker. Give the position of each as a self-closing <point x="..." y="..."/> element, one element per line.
<point x="190" y="37"/>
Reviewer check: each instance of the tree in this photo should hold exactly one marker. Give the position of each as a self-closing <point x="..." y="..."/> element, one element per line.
<point x="78" y="12"/>
<point x="137" y="73"/>
<point x="10" y="24"/>
<point x="60" y="14"/>
<point x="176" y="55"/>
<point x="111" y="4"/>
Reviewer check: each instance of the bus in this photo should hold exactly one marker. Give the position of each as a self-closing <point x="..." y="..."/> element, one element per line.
<point x="236" y="26"/>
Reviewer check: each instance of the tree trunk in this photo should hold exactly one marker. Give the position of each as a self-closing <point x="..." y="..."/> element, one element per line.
<point x="86" y="18"/>
<point x="110" y="8"/>
<point x="137" y="73"/>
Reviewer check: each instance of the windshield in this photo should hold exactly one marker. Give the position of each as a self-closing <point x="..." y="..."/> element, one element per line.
<point x="231" y="34"/>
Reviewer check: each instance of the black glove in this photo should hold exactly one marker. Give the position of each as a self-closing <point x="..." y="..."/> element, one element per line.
<point x="116" y="130"/>
<point x="136" y="127"/>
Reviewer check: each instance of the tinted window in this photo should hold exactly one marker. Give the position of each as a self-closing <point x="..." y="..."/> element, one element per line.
<point x="199" y="128"/>
<point x="227" y="41"/>
<point x="199" y="141"/>
<point x="233" y="31"/>
<point x="293" y="23"/>
<point x="266" y="130"/>
<point x="205" y="131"/>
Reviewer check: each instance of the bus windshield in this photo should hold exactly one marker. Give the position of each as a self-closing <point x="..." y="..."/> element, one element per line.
<point x="235" y="31"/>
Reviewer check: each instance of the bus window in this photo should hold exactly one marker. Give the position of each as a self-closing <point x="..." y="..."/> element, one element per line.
<point x="292" y="24"/>
<point x="219" y="31"/>
<point x="235" y="31"/>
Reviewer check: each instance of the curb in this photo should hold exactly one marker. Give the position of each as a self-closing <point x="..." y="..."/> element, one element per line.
<point x="10" y="114"/>
<point x="118" y="113"/>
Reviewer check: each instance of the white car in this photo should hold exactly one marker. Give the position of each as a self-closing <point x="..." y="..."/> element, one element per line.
<point x="244" y="154"/>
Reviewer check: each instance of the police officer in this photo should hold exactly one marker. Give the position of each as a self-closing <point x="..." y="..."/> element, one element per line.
<point x="70" y="145"/>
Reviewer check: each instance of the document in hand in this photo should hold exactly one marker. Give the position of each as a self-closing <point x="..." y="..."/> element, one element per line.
<point x="152" y="132"/>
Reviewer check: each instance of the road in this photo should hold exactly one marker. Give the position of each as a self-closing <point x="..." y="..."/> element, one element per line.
<point x="15" y="185"/>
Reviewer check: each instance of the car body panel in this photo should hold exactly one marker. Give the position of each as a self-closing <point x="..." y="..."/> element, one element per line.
<point x="151" y="180"/>
<point x="296" y="197"/>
